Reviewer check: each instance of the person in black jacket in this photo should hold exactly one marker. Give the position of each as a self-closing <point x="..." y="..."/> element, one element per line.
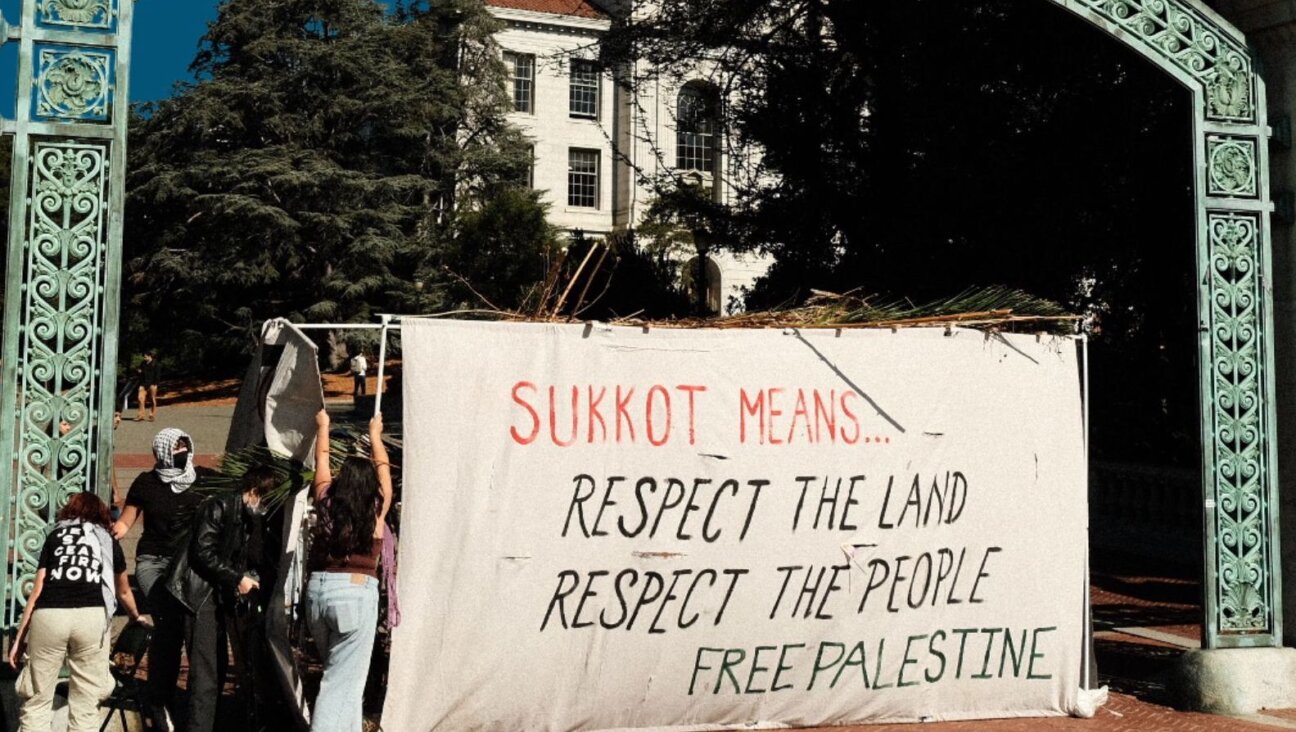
<point x="208" y="579"/>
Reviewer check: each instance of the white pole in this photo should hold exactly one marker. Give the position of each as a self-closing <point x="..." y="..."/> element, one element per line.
<point x="342" y="326"/>
<point x="1088" y="607"/>
<point x="382" y="363"/>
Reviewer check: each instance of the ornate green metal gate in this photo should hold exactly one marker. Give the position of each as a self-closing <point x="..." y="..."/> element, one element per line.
<point x="63" y="277"/>
<point x="61" y="296"/>
<point x="1235" y="304"/>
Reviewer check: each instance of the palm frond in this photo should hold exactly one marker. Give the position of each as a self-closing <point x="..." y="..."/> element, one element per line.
<point x="344" y="441"/>
<point x="977" y="307"/>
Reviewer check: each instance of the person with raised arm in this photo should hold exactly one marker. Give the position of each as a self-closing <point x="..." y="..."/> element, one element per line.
<point x="342" y="592"/>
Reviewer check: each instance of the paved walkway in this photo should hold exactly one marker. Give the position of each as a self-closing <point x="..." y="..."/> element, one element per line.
<point x="1142" y="620"/>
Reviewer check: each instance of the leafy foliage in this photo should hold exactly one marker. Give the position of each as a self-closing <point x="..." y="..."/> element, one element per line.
<point x="494" y="254"/>
<point x="624" y="276"/>
<point x="915" y="149"/>
<point x="323" y="163"/>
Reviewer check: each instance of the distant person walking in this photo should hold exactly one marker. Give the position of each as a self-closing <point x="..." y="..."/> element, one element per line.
<point x="342" y="593"/>
<point x="80" y="579"/>
<point x="148" y="375"/>
<point x="162" y="497"/>
<point x="359" y="369"/>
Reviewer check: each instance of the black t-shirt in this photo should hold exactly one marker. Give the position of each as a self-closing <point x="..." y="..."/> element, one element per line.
<point x="73" y="577"/>
<point x="165" y="512"/>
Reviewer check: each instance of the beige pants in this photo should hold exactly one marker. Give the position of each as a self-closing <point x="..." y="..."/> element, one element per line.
<point x="77" y="636"/>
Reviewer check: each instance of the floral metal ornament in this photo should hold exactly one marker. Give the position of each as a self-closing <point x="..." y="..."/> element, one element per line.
<point x="1228" y="94"/>
<point x="1231" y="166"/>
<point x="73" y="85"/>
<point x="90" y="14"/>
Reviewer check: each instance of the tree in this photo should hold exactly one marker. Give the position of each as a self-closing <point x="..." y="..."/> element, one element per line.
<point x="492" y="260"/>
<point x="320" y="167"/>
<point x="915" y="149"/>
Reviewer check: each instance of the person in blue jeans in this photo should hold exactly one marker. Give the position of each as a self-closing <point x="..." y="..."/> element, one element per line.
<point x="342" y="592"/>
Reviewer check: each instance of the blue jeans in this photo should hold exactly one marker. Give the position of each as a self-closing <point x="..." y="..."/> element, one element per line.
<point x="343" y="617"/>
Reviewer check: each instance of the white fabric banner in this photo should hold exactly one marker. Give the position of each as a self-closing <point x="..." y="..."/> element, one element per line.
<point x="615" y="528"/>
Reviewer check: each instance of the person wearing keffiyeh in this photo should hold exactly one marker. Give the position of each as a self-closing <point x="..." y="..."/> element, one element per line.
<point x="163" y="499"/>
<point x="173" y="450"/>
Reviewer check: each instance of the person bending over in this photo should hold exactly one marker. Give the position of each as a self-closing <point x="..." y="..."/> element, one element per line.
<point x="79" y="581"/>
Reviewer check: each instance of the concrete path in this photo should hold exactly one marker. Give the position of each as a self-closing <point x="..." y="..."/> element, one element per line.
<point x="208" y="426"/>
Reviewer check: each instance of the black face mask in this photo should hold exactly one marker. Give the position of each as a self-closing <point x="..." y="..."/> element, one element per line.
<point x="180" y="460"/>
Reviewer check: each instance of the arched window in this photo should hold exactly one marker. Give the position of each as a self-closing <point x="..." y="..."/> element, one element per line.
<point x="697" y="131"/>
<point x="689" y="277"/>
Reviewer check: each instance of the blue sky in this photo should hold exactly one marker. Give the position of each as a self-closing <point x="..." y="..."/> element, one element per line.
<point x="165" y="41"/>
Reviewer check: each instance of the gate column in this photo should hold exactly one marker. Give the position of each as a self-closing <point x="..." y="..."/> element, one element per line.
<point x="1242" y="666"/>
<point x="1271" y="28"/>
<point x="64" y="269"/>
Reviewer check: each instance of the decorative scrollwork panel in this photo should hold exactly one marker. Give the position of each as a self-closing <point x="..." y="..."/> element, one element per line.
<point x="1242" y="522"/>
<point x="1185" y="37"/>
<point x="59" y="346"/>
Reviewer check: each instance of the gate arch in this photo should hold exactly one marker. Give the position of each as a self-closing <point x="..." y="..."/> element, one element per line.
<point x="1209" y="57"/>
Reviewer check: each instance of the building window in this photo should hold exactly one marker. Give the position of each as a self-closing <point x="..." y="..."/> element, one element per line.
<point x="697" y="123"/>
<point x="521" y="70"/>
<point x="583" y="178"/>
<point x="585" y="80"/>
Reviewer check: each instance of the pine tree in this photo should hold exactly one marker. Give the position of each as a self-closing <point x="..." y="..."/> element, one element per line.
<point x="317" y="168"/>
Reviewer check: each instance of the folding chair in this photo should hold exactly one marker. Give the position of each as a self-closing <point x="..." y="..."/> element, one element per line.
<point x="129" y="693"/>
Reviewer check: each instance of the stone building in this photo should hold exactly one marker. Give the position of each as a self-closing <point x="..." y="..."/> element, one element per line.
<point x="597" y="143"/>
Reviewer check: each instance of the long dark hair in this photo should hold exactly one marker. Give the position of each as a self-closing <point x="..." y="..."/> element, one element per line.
<point x="348" y="513"/>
